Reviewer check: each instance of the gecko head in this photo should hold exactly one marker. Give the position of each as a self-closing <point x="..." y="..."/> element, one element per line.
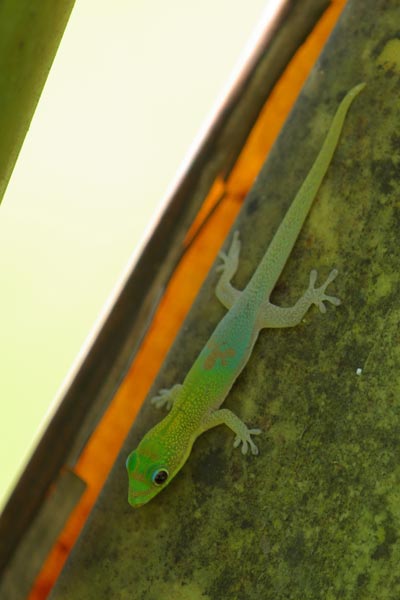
<point x="150" y="469"/>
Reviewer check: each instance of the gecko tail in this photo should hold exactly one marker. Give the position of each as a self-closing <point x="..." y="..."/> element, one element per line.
<point x="282" y="244"/>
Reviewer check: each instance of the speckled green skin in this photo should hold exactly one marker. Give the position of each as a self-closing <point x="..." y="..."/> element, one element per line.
<point x="166" y="447"/>
<point x="316" y="516"/>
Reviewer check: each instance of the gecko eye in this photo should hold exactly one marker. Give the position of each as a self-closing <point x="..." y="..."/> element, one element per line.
<point x="160" y="476"/>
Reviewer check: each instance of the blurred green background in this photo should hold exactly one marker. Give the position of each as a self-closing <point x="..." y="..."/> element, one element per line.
<point x="131" y="86"/>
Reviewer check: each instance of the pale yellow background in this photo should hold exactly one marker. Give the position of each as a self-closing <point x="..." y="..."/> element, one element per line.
<point x="131" y="85"/>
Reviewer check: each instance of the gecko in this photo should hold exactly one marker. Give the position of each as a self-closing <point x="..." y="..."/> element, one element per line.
<point x="194" y="405"/>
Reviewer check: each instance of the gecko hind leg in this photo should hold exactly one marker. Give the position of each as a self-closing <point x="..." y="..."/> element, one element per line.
<point x="276" y="316"/>
<point x="166" y="397"/>
<point x="224" y="290"/>
<point x="243" y="433"/>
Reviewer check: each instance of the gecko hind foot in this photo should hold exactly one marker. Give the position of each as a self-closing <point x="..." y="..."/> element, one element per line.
<point x="318" y="296"/>
<point x="246" y="441"/>
<point x="230" y="261"/>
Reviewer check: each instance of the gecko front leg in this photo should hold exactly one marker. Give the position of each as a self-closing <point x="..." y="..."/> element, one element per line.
<point x="243" y="433"/>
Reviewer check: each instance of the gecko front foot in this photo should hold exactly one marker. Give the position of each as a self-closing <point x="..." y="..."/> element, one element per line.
<point x="317" y="295"/>
<point x="245" y="439"/>
<point x="166" y="397"/>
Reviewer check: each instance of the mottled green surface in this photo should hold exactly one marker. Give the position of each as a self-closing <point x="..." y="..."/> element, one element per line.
<point x="317" y="514"/>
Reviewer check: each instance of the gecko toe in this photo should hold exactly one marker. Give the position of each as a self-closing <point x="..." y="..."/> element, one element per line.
<point x="334" y="300"/>
<point x="313" y="277"/>
<point x="332" y="275"/>
<point x="254" y="449"/>
<point x="236" y="441"/>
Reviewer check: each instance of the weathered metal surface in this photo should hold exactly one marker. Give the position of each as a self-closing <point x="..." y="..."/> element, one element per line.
<point x="317" y="513"/>
<point x="88" y="392"/>
<point x="26" y="562"/>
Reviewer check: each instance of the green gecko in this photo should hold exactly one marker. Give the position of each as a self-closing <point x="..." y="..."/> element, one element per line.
<point x="195" y="404"/>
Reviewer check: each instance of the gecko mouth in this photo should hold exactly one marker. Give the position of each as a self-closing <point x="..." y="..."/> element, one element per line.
<point x="137" y="499"/>
<point x="135" y="503"/>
